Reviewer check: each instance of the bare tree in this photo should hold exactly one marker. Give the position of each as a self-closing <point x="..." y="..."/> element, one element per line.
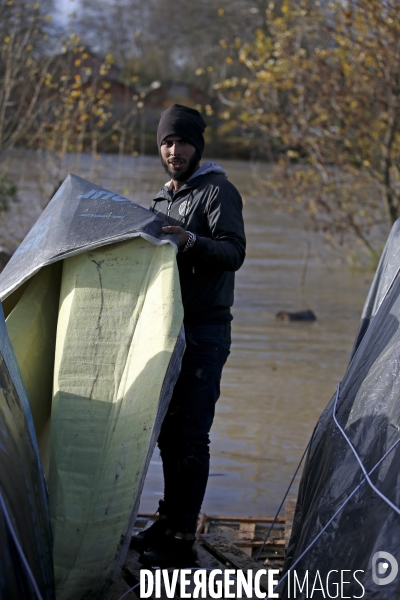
<point x="25" y="30"/>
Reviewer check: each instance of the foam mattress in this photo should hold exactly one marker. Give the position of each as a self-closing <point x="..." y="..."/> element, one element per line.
<point x="105" y="332"/>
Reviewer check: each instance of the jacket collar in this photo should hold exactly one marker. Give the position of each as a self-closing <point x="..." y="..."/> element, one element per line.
<point x="193" y="181"/>
<point x="209" y="167"/>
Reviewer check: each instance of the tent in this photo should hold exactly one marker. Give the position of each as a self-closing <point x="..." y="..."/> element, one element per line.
<point x="346" y="532"/>
<point x="94" y="314"/>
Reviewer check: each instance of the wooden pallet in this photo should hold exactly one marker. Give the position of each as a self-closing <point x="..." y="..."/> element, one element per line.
<point x="248" y="534"/>
<point x="224" y="542"/>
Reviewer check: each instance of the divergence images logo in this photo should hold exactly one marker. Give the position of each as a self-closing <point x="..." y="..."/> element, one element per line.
<point x="381" y="573"/>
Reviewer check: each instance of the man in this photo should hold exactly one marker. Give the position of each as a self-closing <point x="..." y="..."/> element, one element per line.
<point x="204" y="212"/>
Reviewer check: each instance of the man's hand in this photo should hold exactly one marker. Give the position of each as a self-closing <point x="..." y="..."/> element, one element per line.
<point x="180" y="233"/>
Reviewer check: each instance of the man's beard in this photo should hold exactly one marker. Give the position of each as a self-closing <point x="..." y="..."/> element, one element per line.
<point x="184" y="175"/>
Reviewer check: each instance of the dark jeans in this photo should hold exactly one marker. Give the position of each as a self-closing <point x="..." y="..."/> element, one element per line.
<point x="184" y="441"/>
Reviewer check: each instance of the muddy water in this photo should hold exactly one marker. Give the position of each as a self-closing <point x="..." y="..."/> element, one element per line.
<point x="279" y="376"/>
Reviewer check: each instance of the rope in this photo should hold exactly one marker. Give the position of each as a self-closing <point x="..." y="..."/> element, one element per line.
<point x="19" y="548"/>
<point x="282" y="503"/>
<point x="129" y="591"/>
<point x="393" y="506"/>
<point x="365" y="478"/>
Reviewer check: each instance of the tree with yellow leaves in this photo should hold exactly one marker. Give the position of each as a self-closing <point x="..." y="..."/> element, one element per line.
<point x="323" y="87"/>
<point x="80" y="104"/>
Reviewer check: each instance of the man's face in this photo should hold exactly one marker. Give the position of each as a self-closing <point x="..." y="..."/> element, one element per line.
<point x="178" y="157"/>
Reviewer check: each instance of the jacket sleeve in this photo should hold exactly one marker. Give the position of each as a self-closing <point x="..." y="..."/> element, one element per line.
<point x="226" y="248"/>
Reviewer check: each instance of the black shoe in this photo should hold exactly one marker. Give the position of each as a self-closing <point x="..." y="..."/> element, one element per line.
<point x="175" y="549"/>
<point x="147" y="538"/>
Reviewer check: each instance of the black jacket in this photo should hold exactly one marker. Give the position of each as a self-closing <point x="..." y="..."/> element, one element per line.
<point x="211" y="207"/>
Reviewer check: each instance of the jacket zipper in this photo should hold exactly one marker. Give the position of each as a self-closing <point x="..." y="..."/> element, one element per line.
<point x="168" y="215"/>
<point x="169" y="208"/>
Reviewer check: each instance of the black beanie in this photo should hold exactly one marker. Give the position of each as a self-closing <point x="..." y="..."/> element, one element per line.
<point x="184" y="121"/>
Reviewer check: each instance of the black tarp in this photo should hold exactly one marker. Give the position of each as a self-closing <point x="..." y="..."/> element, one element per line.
<point x="24" y="515"/>
<point x="80" y="216"/>
<point x="368" y="411"/>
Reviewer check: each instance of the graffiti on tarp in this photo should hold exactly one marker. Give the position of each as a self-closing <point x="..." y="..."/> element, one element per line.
<point x="36" y="234"/>
<point x="95" y="194"/>
<point x="101" y="216"/>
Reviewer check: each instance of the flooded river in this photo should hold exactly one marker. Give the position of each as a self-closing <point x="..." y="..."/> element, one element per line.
<point x="279" y="376"/>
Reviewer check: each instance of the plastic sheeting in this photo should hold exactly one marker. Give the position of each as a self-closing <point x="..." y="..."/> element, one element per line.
<point x="80" y="216"/>
<point x="96" y="476"/>
<point x="368" y="411"/>
<point x="23" y="495"/>
<point x="31" y="327"/>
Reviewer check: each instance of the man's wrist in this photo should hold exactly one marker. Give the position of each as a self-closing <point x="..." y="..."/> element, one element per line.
<point x="190" y="241"/>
